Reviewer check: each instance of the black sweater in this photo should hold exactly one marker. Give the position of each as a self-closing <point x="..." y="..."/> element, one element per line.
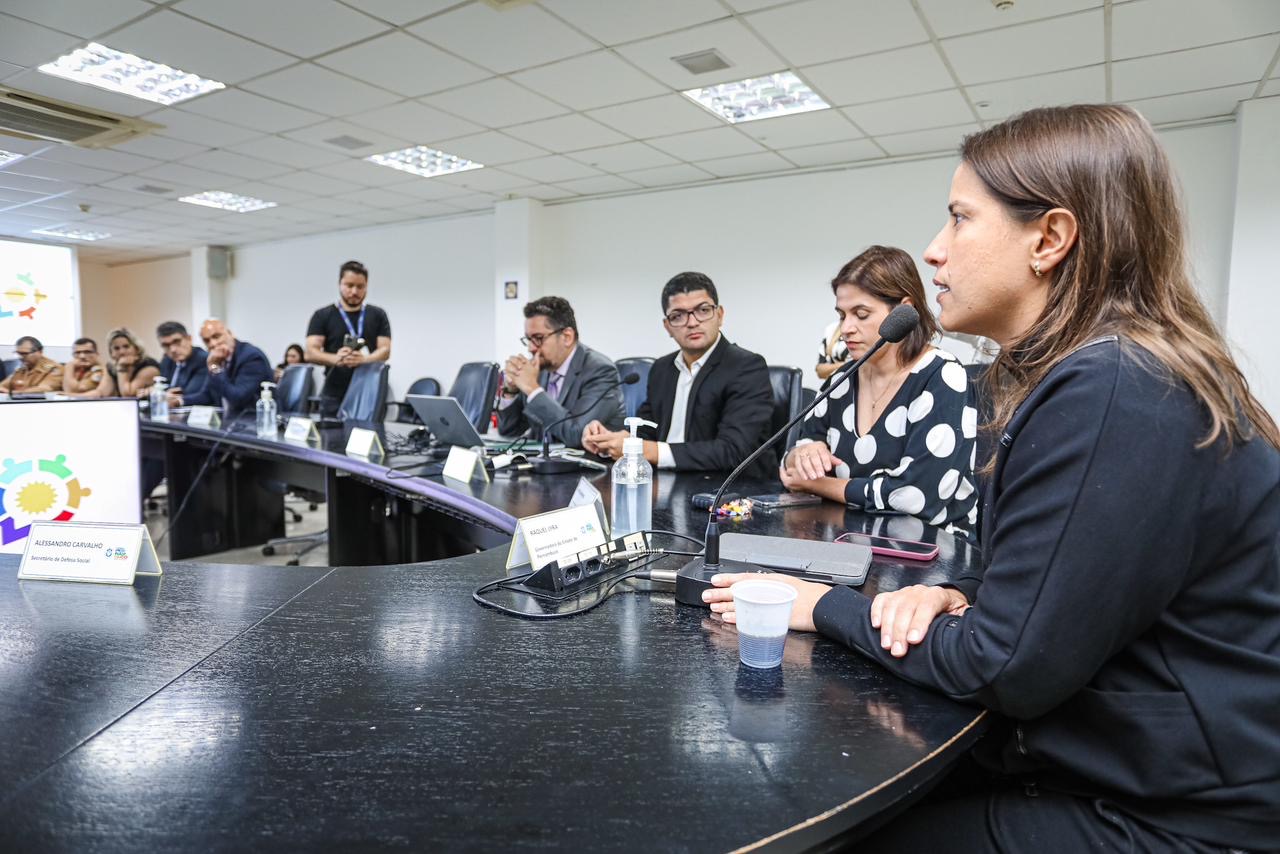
<point x="1128" y="620"/>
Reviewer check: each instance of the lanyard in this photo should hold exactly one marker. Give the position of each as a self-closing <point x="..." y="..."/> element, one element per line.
<point x="356" y="331"/>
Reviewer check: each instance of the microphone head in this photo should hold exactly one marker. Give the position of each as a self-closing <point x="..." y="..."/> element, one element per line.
<point x="899" y="323"/>
<point x="631" y="378"/>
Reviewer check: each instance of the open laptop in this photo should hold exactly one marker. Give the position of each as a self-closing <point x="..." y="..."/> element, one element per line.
<point x="445" y="419"/>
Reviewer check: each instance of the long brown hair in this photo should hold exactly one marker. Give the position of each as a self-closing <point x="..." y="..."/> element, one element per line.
<point x="1127" y="273"/>
<point x="889" y="275"/>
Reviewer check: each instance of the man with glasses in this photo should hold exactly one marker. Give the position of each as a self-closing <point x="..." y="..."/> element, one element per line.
<point x="36" y="373"/>
<point x="711" y="399"/>
<point x="83" y="374"/>
<point x="561" y="377"/>
<point x="184" y="367"/>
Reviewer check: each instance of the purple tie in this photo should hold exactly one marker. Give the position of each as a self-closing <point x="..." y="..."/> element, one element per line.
<point x="553" y="386"/>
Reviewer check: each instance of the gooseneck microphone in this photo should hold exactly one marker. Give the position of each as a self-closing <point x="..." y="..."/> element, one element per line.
<point x="545" y="464"/>
<point x="695" y="576"/>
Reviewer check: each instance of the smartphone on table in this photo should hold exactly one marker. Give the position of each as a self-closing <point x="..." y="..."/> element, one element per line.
<point x="892" y="546"/>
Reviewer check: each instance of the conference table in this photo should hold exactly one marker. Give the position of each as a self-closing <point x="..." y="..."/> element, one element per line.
<point x="352" y="707"/>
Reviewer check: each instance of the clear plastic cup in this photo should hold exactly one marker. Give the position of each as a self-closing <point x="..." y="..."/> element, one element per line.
<point x="763" y="610"/>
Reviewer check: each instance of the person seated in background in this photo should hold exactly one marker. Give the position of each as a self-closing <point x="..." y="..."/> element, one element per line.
<point x="900" y="435"/>
<point x="711" y="399"/>
<point x="293" y="355"/>
<point x="562" y="377"/>
<point x="130" y="371"/>
<point x="237" y="369"/>
<point x="36" y="373"/>
<point x="344" y="335"/>
<point x="83" y="374"/>
<point x="832" y="354"/>
<point x="184" y="366"/>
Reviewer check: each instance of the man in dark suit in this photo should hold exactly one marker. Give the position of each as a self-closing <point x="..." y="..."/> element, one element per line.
<point x="711" y="399"/>
<point x="561" y="377"/>
<point x="237" y="369"/>
<point x="184" y="367"/>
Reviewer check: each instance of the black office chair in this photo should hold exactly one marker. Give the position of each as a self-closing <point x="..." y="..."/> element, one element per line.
<point x="474" y="388"/>
<point x="8" y="366"/>
<point x="793" y="435"/>
<point x="366" y="397"/>
<point x="404" y="412"/>
<point x="294" y="391"/>
<point x="788" y="396"/>
<point x="633" y="395"/>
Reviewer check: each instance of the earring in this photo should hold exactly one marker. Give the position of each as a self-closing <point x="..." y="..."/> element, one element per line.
<point x="1035" y="266"/>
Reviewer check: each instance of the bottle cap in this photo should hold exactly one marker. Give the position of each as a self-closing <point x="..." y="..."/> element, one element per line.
<point x="634" y="445"/>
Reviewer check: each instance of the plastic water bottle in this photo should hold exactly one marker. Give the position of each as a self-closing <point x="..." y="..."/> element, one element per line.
<point x="159" y="402"/>
<point x="268" y="428"/>
<point x="632" y="484"/>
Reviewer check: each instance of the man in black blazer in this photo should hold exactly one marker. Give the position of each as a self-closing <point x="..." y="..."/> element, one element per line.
<point x="561" y="377"/>
<point x="237" y="370"/>
<point x="184" y="367"/>
<point x="711" y="399"/>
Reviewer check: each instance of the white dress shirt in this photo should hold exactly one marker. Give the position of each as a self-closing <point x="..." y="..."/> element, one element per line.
<point x="680" y="409"/>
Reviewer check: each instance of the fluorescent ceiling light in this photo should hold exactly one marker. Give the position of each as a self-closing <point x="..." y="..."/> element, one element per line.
<point x="424" y="161"/>
<point x="98" y="65"/>
<point x="9" y="157"/>
<point x="778" y="94"/>
<point x="227" y="201"/>
<point x="73" y="233"/>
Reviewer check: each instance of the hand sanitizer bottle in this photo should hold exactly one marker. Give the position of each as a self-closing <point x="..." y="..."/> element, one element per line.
<point x="632" y="484"/>
<point x="159" y="403"/>
<point x="266" y="411"/>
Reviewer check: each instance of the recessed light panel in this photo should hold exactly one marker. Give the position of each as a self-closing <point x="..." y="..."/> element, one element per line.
<point x="424" y="161"/>
<point x="99" y="65"/>
<point x="778" y="94"/>
<point x="72" y="233"/>
<point x="227" y="201"/>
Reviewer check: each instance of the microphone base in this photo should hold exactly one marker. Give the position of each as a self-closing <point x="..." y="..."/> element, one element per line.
<point x="552" y="465"/>
<point x="695" y="577"/>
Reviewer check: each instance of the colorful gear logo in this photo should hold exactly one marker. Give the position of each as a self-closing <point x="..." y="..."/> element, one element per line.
<point x="36" y="491"/>
<point x="21" y="298"/>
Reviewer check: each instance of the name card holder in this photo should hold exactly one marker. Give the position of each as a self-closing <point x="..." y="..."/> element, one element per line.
<point x="204" y="416"/>
<point x="100" y="552"/>
<point x="364" y="443"/>
<point x="547" y="537"/>
<point x="462" y="465"/>
<point x="301" y="430"/>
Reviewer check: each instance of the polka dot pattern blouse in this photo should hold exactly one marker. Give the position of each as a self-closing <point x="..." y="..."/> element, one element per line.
<point x="918" y="458"/>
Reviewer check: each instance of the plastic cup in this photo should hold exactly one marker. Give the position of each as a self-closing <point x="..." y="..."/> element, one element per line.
<point x="763" y="610"/>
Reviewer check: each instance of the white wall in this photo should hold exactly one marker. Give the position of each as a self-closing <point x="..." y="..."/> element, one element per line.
<point x="434" y="278"/>
<point x="139" y="296"/>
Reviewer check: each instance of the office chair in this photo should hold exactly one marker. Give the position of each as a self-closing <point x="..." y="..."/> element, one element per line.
<point x="8" y="366"/>
<point x="294" y="391"/>
<point x="404" y="412"/>
<point x="633" y="395"/>
<point x="788" y="398"/>
<point x="474" y="389"/>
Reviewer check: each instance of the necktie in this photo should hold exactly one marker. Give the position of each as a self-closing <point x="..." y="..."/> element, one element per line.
<point x="553" y="386"/>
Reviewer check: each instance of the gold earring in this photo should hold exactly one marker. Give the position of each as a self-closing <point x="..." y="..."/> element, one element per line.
<point x="1035" y="266"/>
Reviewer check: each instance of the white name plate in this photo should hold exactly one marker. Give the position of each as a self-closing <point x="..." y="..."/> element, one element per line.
<point x="204" y="416"/>
<point x="88" y="551"/>
<point x="462" y="464"/>
<point x="588" y="494"/>
<point x="364" y="443"/>
<point x="547" y="537"/>
<point x="301" y="430"/>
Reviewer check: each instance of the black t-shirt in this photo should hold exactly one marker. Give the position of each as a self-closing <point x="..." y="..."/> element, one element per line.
<point x="328" y="322"/>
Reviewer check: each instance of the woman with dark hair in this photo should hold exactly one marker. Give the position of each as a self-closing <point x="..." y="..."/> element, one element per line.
<point x="293" y="355"/>
<point x="1125" y="631"/>
<point x="897" y="437"/>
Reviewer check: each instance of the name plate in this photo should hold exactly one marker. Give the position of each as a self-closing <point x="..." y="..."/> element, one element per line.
<point x="364" y="443"/>
<point x="462" y="464"/>
<point x="301" y="430"/>
<point x="204" y="416"/>
<point x="83" y="551"/>
<point x="547" y="537"/>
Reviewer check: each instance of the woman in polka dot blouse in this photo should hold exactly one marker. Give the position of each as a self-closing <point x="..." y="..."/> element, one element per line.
<point x="899" y="437"/>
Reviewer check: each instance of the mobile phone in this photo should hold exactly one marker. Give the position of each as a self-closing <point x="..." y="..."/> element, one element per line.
<point x="891" y="546"/>
<point x="702" y="500"/>
<point x="352" y="341"/>
<point x="784" y="499"/>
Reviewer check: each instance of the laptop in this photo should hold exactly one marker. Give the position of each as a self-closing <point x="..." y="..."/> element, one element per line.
<point x="445" y="419"/>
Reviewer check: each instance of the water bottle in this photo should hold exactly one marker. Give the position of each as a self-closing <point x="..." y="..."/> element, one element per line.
<point x="632" y="484"/>
<point x="159" y="402"/>
<point x="266" y="413"/>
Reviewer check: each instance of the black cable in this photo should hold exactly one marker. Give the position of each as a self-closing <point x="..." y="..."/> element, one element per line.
<point x="503" y="583"/>
<point x="674" y="534"/>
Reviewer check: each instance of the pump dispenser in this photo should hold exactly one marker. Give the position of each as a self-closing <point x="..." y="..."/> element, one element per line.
<point x="632" y="484"/>
<point x="266" y="413"/>
<point x="159" y="400"/>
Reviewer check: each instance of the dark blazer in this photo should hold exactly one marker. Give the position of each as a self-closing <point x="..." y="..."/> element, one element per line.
<point x="240" y="385"/>
<point x="728" y="414"/>
<point x="194" y="378"/>
<point x="590" y="375"/>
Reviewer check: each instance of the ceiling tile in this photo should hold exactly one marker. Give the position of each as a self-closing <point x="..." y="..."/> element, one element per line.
<point x="337" y="207"/>
<point x="566" y="133"/>
<point x="72" y="173"/>
<point x="375" y="197"/>
<point x="802" y="129"/>
<point x="403" y="64"/>
<point x="746" y="164"/>
<point x="594" y="80"/>
<point x="956" y="17"/>
<point x="27" y="146"/>
<point x="656" y="117"/>
<point x="236" y="164"/>
<point x="1272" y="88"/>
<point x="1193" y="105"/>
<point x="490" y="148"/>
<point x="310" y="182"/>
<point x="833" y="152"/>
<point x="77" y="17"/>
<point x="178" y="175"/>
<point x="628" y="156"/>
<point x="1078" y="86"/>
<point x="601" y="184"/>
<point x="821" y="30"/>
<point x="318" y="135"/>
<point x="495" y="103"/>
<point x="10" y="198"/>
<point x="188" y="127"/>
<point x="271" y="192"/>
<point x="753" y="5"/>
<point x="322" y="90"/>
<point x="543" y="192"/>
<point x="667" y="175"/>
<point x="8" y="69"/>
<point x="907" y="71"/>
<point x="287" y="152"/>
<point x="28" y="44"/>
<point x="160" y="147"/>
<point x="32" y="183"/>
<point x="423" y="210"/>
<point x="916" y="112"/>
<point x="1189" y="70"/>
<point x="71" y="203"/>
<point x="401" y="12"/>
<point x="706" y="144"/>
<point x="115" y="161"/>
<point x="418" y="123"/>
<point x="199" y="48"/>
<point x="252" y="111"/>
<point x="553" y="168"/>
<point x="505" y="41"/>
<point x="1034" y="48"/>
<point x="431" y="188"/>
<point x="79" y="94"/>
<point x="1158" y="26"/>
<point x="926" y="141"/>
<point x="613" y="23"/>
<point x="486" y="180"/>
<point x="301" y="27"/>
<point x="746" y="54"/>
<point x="364" y="173"/>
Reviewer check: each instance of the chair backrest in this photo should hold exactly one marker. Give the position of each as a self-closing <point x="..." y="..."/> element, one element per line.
<point x="474" y="388"/>
<point x="422" y="385"/>
<point x="633" y="395"/>
<point x="793" y="435"/>
<point x="366" y="397"/>
<point x="297" y="385"/>
<point x="8" y="367"/>
<point x="788" y="394"/>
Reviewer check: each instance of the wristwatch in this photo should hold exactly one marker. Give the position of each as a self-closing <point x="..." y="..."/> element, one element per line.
<point x="215" y="369"/>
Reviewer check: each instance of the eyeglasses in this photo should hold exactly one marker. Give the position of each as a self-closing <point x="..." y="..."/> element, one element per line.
<point x="22" y="354"/>
<point x="84" y="352"/>
<point x="701" y="313"/>
<point x="537" y="338"/>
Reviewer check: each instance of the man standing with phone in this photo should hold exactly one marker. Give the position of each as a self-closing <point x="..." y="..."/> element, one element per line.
<point x="346" y="334"/>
